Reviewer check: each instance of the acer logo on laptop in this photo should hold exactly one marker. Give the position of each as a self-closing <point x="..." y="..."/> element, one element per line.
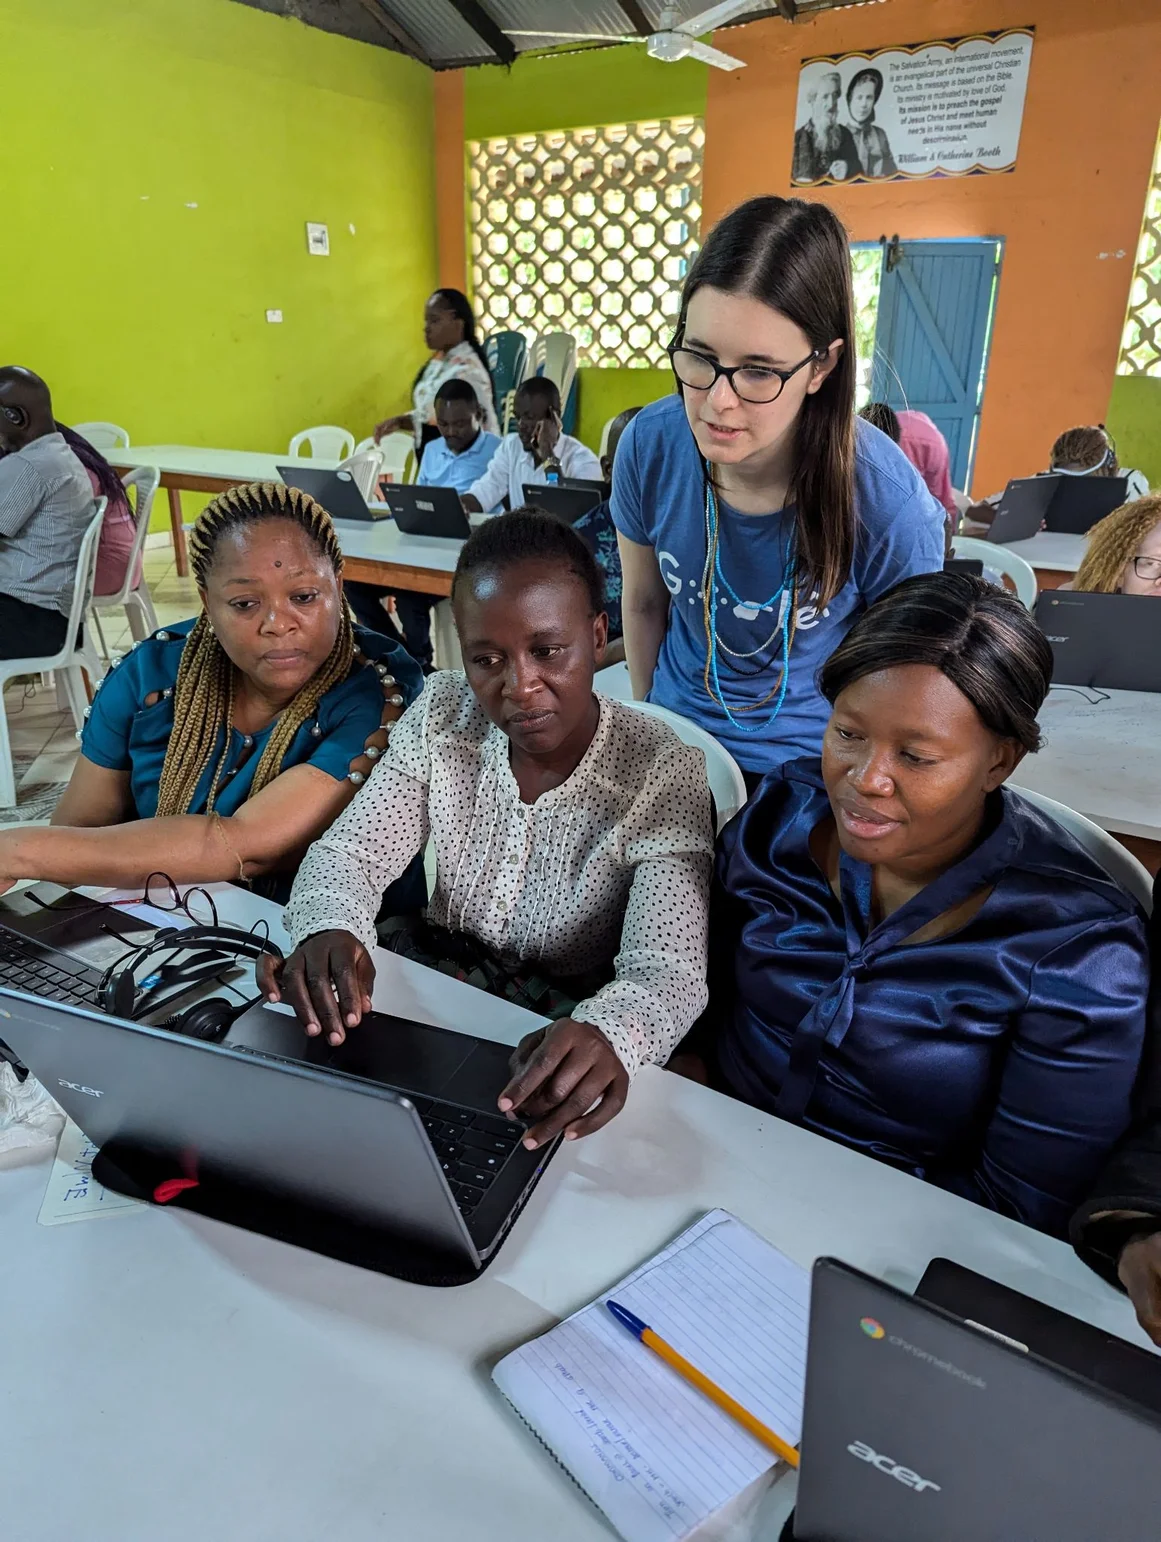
<point x="90" y="1092"/>
<point x="892" y="1468"/>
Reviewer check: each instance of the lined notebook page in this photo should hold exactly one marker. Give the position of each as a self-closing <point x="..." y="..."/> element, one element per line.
<point x="654" y="1454"/>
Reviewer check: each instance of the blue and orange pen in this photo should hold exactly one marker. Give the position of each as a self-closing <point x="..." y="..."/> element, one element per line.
<point x="703" y="1384"/>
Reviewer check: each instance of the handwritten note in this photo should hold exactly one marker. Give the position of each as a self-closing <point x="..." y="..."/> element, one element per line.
<point x="656" y="1456"/>
<point x="72" y="1193"/>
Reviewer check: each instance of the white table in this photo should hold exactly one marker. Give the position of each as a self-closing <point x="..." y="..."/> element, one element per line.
<point x="1054" y="556"/>
<point x="190" y="468"/>
<point x="1102" y="758"/>
<point x="170" y="1379"/>
<point x="374" y="553"/>
<point x="381" y="553"/>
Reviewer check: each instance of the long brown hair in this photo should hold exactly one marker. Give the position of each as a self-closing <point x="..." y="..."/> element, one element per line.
<point x="794" y="256"/>
<point x="203" y="697"/>
<point x="1112" y="541"/>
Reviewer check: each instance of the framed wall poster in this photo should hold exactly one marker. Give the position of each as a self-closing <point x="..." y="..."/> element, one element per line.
<point x="951" y="108"/>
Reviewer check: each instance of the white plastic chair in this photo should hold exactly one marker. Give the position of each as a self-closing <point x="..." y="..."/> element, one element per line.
<point x="1001" y="560"/>
<point x="135" y="599"/>
<point x="103" y="436"/>
<point x="70" y="661"/>
<point x="364" y="466"/>
<point x="1118" y="862"/>
<point x="326" y="442"/>
<point x="553" y="355"/>
<point x="398" y="453"/>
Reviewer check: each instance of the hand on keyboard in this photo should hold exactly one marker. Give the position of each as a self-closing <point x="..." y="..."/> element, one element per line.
<point x="327" y="980"/>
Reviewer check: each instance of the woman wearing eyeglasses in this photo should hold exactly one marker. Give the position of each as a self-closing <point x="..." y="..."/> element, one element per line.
<point x="756" y="517"/>
<point x="1124" y="551"/>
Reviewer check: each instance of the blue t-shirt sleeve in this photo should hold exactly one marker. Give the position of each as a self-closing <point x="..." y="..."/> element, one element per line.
<point x="911" y="542"/>
<point x="628" y="514"/>
<point x="119" y="697"/>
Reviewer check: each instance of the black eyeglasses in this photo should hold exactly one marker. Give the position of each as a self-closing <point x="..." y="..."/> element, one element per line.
<point x="163" y="894"/>
<point x="749" y="382"/>
<point x="1148" y="568"/>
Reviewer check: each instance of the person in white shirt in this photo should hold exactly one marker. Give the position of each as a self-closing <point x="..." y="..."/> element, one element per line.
<point x="537" y="453"/>
<point x="573" y="839"/>
<point x="449" y="330"/>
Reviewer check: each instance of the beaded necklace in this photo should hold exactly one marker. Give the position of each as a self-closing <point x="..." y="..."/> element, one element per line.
<point x="785" y="596"/>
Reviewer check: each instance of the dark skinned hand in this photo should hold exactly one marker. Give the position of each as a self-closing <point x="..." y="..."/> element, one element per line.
<point x="558" y="1074"/>
<point x="325" y="966"/>
<point x="547" y="433"/>
<point x="1140" y="1270"/>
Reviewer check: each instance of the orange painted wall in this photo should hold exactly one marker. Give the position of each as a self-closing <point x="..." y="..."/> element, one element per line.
<point x="1090" y="127"/>
<point x="451" y="222"/>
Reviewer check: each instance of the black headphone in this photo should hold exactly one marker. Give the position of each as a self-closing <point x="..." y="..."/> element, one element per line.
<point x="210" y="950"/>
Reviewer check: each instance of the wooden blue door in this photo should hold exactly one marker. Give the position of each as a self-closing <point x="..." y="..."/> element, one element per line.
<point x="931" y="340"/>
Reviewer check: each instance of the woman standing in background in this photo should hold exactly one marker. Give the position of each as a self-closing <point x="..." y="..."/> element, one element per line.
<point x="449" y="330"/>
<point x="757" y="516"/>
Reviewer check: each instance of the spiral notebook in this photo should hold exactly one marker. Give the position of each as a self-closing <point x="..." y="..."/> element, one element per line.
<point x="646" y="1447"/>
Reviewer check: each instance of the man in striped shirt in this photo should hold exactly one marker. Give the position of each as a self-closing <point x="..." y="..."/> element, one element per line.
<point x="46" y="503"/>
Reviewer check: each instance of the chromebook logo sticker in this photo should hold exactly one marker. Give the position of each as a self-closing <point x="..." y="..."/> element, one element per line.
<point x="873" y="1329"/>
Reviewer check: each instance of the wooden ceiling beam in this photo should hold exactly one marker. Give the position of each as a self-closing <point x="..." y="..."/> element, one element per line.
<point x="486" y="29"/>
<point x="636" y="17"/>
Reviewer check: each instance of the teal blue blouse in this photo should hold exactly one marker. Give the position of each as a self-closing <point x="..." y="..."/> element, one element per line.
<point x="123" y="734"/>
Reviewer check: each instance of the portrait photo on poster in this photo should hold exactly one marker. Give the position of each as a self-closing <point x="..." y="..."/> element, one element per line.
<point x="948" y="108"/>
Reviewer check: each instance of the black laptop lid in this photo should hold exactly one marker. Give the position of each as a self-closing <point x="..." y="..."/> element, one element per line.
<point x="428" y="510"/>
<point x="603" y="490"/>
<point x="337" y="491"/>
<point x="1077" y="1346"/>
<point x="1079" y="502"/>
<point x="918" y="1428"/>
<point x="1110" y="641"/>
<point x="1022" y="509"/>
<point x="567" y="503"/>
<point x="336" y="1142"/>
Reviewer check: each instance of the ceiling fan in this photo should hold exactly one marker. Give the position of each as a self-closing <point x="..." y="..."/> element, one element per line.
<point x="672" y="40"/>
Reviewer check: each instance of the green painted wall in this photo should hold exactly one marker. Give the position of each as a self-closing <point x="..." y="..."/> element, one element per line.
<point x="573" y="90"/>
<point x="163" y="158"/>
<point x="1135" y="423"/>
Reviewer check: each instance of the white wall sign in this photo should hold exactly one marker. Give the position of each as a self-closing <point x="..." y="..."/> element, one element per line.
<point x="944" y="109"/>
<point x="318" y="241"/>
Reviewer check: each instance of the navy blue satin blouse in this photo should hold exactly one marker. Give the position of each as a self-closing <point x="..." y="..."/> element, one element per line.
<point x="997" y="1061"/>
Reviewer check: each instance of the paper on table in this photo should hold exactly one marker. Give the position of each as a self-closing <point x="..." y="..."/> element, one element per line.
<point x="650" y="1450"/>
<point x="72" y="1194"/>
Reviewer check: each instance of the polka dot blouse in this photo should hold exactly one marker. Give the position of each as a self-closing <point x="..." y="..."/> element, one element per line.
<point x="613" y="866"/>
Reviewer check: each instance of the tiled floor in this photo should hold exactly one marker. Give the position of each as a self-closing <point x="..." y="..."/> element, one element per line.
<point x="44" y="744"/>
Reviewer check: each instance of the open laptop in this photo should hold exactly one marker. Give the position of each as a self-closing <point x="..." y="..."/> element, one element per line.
<point x="1111" y="641"/>
<point x="1079" y="502"/>
<point x="602" y="489"/>
<point x="427" y="510"/>
<point x="567" y="503"/>
<point x="1022" y="509"/>
<point x="387" y="1151"/>
<point x="921" y="1426"/>
<point x="337" y="491"/>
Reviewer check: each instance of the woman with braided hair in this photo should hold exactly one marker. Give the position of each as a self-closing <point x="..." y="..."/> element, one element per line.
<point x="221" y="747"/>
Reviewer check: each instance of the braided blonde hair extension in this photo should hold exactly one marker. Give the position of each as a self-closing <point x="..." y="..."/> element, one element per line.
<point x="1112" y="541"/>
<point x="203" y="697"/>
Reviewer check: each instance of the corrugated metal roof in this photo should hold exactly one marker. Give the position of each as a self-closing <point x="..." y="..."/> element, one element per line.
<point x="444" y="38"/>
<point x="439" y="29"/>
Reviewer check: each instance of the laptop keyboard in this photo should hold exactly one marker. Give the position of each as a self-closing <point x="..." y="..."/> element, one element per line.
<point x="472" y="1148"/>
<point x="24" y="969"/>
